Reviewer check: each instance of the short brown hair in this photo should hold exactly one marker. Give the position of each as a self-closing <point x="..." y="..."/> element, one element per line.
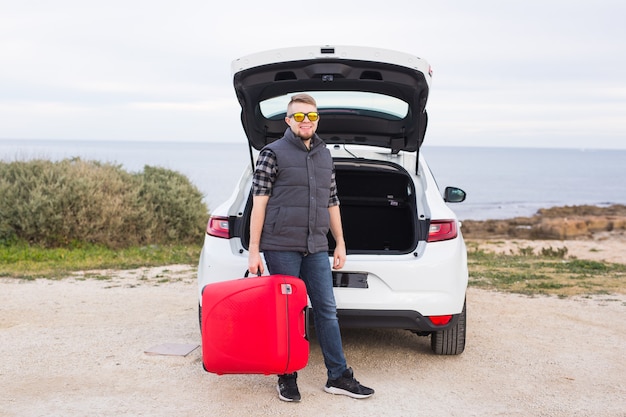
<point x="302" y="98"/>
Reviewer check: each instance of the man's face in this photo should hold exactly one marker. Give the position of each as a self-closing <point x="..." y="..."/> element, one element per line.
<point x="306" y="128"/>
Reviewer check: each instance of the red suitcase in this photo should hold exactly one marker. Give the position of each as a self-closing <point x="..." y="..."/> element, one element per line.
<point x="255" y="325"/>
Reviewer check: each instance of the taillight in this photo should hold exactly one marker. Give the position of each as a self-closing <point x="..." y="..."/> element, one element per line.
<point x="440" y="320"/>
<point x="218" y="227"/>
<point x="442" y="230"/>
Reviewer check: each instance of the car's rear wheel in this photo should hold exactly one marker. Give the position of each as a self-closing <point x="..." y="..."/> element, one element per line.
<point x="452" y="340"/>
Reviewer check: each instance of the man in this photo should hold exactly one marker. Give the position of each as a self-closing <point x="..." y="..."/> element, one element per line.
<point x="294" y="205"/>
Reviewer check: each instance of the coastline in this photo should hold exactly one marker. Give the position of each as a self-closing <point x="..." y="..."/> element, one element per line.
<point x="555" y="223"/>
<point x="588" y="232"/>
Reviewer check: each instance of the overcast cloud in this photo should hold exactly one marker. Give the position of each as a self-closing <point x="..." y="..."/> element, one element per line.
<point x="515" y="73"/>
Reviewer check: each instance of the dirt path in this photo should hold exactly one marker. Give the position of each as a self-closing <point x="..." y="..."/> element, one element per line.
<point x="76" y="348"/>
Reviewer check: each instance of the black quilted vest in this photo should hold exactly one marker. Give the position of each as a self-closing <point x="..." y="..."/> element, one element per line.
<point x="297" y="217"/>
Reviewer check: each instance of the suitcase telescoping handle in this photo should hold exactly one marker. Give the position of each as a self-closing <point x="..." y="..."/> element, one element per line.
<point x="305" y="310"/>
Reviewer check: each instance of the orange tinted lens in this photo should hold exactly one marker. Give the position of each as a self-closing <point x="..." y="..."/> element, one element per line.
<point x="298" y="117"/>
<point x="313" y="116"/>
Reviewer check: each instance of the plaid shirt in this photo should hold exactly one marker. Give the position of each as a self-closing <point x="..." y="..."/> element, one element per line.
<point x="265" y="174"/>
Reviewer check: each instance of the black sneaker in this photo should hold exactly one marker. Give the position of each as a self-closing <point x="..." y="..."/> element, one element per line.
<point x="347" y="385"/>
<point x="287" y="387"/>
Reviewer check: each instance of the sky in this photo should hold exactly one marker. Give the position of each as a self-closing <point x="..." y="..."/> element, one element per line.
<point x="534" y="73"/>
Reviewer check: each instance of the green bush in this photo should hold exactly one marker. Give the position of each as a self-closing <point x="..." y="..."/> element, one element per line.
<point x="57" y="204"/>
<point x="175" y="203"/>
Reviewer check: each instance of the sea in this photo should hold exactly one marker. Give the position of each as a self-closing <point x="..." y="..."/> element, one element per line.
<point x="500" y="182"/>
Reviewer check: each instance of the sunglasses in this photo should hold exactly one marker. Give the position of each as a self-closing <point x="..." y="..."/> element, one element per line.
<point x="299" y="117"/>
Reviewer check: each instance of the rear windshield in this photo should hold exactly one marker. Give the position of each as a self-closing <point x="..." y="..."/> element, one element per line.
<point x="341" y="100"/>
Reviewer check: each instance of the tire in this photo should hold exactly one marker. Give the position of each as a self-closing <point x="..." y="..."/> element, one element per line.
<point x="452" y="340"/>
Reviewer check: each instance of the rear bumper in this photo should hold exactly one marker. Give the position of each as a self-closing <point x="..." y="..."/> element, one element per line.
<point x="393" y="319"/>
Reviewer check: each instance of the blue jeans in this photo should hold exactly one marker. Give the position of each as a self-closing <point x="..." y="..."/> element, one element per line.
<point x="314" y="270"/>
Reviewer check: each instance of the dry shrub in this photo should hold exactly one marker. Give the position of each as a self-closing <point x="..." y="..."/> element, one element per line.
<point x="60" y="203"/>
<point x="175" y="204"/>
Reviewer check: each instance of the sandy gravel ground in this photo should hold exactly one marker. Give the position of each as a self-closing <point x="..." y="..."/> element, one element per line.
<point x="76" y="347"/>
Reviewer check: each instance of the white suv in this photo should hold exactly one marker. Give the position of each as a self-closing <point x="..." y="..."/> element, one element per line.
<point x="407" y="262"/>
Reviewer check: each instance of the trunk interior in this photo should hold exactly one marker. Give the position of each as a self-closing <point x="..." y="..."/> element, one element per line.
<point x="378" y="208"/>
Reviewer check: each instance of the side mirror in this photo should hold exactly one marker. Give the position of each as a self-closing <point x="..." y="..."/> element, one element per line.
<point x="454" y="195"/>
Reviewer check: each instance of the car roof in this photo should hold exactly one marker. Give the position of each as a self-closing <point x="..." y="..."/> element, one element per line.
<point x="363" y="73"/>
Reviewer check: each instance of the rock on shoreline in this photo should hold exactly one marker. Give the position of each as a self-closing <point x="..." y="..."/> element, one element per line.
<point x="558" y="223"/>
